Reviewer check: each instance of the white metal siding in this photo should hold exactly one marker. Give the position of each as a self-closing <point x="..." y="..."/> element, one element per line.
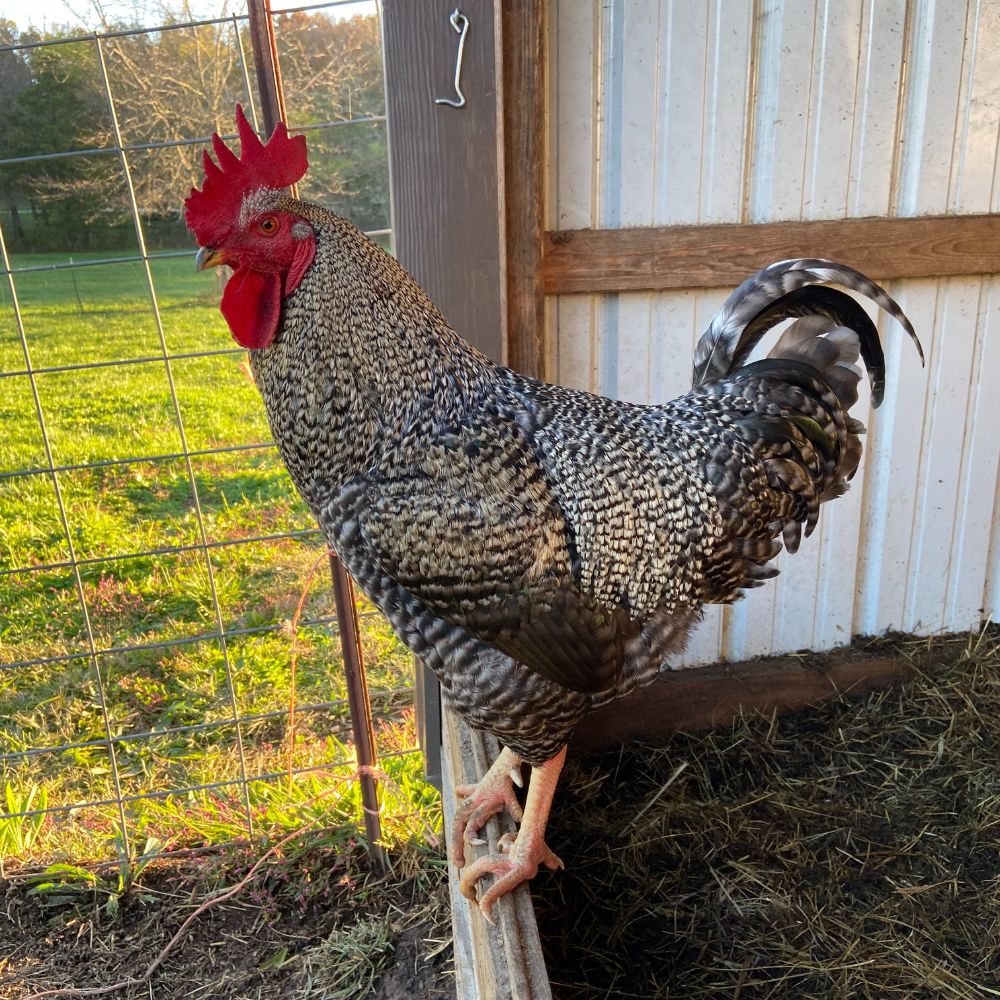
<point x="704" y="111"/>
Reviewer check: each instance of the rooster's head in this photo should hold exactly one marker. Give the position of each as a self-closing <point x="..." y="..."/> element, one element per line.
<point x="241" y="217"/>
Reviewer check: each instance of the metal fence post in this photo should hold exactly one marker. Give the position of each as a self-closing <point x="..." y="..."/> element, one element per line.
<point x="272" y="110"/>
<point x="360" y="707"/>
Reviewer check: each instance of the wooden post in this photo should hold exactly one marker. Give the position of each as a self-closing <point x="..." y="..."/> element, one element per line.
<point x="523" y="100"/>
<point x="272" y="100"/>
<point x="444" y="162"/>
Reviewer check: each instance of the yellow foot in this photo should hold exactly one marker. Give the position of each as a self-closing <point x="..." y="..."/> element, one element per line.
<point x="519" y="862"/>
<point x="493" y="794"/>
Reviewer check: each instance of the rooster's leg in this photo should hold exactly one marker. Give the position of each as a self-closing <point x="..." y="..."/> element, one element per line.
<point x="525" y="852"/>
<point x="493" y="793"/>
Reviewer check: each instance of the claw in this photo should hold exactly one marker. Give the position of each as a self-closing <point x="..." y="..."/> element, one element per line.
<point x="519" y="864"/>
<point x="515" y="776"/>
<point x="493" y="794"/>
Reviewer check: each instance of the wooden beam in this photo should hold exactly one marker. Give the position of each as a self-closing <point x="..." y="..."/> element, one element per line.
<point x="523" y="66"/>
<point x="503" y="961"/>
<point x="692" y="700"/>
<point x="272" y="98"/>
<point x="721" y="256"/>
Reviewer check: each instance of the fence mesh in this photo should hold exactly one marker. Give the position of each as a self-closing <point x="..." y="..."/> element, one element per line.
<point x="152" y="549"/>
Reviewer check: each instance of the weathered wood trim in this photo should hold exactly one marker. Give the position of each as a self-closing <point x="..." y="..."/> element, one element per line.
<point x="523" y="65"/>
<point x="704" y="697"/>
<point x="502" y="962"/>
<point x="427" y="703"/>
<point x="721" y="256"/>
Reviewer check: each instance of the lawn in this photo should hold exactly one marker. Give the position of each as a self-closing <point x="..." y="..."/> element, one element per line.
<point x="136" y="514"/>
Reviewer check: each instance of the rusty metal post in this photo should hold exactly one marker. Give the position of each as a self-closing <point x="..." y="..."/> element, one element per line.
<point x="265" y="57"/>
<point x="360" y="706"/>
<point x="272" y="105"/>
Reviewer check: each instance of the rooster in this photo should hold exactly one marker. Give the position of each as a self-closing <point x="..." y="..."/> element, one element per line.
<point x="543" y="549"/>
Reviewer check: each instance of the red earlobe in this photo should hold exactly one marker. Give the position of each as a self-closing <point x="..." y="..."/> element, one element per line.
<point x="305" y="251"/>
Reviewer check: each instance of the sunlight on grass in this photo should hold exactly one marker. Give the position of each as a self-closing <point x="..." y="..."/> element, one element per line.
<point x="155" y="602"/>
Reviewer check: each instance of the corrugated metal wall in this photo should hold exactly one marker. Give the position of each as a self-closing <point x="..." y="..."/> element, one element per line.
<point x="693" y="111"/>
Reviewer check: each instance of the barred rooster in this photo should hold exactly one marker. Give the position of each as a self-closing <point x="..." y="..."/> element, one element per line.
<point x="544" y="550"/>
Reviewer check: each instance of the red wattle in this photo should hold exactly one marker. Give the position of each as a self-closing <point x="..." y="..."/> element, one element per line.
<point x="251" y="303"/>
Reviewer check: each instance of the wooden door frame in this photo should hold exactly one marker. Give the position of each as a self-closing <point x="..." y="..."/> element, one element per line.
<point x="523" y="65"/>
<point x="452" y="169"/>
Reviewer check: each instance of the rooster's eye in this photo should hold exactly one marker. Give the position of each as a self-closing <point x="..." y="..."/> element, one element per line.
<point x="268" y="225"/>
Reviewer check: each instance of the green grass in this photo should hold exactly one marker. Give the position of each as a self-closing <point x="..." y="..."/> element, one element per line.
<point x="119" y="511"/>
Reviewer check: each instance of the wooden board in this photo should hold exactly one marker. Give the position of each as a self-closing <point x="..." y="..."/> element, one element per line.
<point x="502" y="962"/>
<point x="721" y="256"/>
<point x="522" y="34"/>
<point x="446" y="195"/>
<point x="691" y="700"/>
<point x="505" y="962"/>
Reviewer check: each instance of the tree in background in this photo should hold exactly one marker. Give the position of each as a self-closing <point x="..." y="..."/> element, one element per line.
<point x="14" y="77"/>
<point x="174" y="86"/>
<point x="332" y="71"/>
<point x="57" y="105"/>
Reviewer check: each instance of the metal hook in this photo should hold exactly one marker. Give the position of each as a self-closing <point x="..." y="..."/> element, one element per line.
<point x="461" y="25"/>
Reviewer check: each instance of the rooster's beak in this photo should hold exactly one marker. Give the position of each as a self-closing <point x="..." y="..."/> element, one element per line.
<point x="209" y="257"/>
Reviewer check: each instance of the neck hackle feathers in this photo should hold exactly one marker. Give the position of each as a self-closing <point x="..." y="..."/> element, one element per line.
<point x="212" y="211"/>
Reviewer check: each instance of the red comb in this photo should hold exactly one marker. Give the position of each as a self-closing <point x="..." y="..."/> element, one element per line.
<point x="212" y="211"/>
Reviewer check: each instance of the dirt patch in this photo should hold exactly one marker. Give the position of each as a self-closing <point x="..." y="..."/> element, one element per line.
<point x="314" y="925"/>
<point x="847" y="851"/>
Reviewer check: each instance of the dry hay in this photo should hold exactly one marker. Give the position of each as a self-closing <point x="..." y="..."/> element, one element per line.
<point x="847" y="851"/>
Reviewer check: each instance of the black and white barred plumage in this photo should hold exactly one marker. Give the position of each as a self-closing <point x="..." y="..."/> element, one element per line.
<point x="545" y="550"/>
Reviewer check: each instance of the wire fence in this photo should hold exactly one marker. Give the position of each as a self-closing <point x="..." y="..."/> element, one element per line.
<point x="151" y="547"/>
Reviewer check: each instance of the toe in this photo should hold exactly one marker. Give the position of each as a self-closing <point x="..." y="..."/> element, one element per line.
<point x="491" y="865"/>
<point x="513" y="806"/>
<point x="550" y="859"/>
<point x="475" y="820"/>
<point x="508" y="869"/>
<point x="501" y="886"/>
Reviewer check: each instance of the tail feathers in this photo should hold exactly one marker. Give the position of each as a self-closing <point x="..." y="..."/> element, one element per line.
<point x="794" y="468"/>
<point x="805" y="340"/>
<point x="791" y="408"/>
<point x="832" y="350"/>
<point x="789" y="289"/>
